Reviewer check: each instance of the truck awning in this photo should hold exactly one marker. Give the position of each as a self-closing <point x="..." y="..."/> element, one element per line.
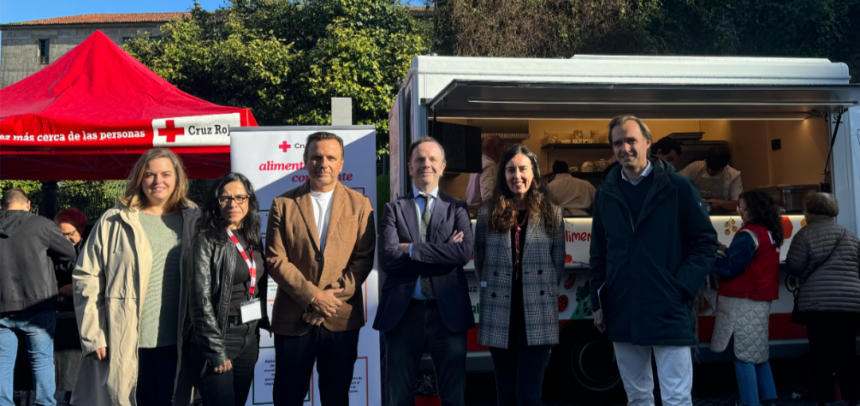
<point x="519" y="100"/>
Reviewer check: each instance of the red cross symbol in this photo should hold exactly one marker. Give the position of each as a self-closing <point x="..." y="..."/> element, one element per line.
<point x="171" y="131"/>
<point x="284" y="146"/>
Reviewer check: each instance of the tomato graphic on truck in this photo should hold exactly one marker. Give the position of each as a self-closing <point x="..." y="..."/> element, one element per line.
<point x="570" y="281"/>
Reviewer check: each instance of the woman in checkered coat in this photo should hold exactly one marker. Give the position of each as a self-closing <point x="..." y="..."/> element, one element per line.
<point x="519" y="257"/>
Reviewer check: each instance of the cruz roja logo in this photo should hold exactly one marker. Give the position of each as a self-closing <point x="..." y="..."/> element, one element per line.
<point x="215" y="129"/>
<point x="171" y="130"/>
<point x="285" y="147"/>
<point x="196" y="130"/>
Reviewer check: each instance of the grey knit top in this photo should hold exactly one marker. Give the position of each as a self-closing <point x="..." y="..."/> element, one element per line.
<point x="159" y="313"/>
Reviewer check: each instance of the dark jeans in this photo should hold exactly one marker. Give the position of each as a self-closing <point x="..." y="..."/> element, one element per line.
<point x="519" y="372"/>
<point x="422" y="327"/>
<point x="230" y="388"/>
<point x="156" y="373"/>
<point x="334" y="353"/>
<point x="38" y="328"/>
<point x="832" y="347"/>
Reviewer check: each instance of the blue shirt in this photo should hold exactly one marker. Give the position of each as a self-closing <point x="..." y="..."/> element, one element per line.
<point x="738" y="256"/>
<point x="419" y="203"/>
<point x="638" y="180"/>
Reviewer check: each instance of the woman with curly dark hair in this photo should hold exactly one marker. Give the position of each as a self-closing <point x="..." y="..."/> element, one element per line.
<point x="749" y="282"/>
<point x="519" y="259"/>
<point x="226" y="274"/>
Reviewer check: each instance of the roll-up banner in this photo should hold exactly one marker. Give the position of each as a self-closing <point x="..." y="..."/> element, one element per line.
<point x="272" y="159"/>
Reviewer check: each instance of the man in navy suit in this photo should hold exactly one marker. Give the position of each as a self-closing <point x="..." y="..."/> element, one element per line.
<point x="425" y="239"/>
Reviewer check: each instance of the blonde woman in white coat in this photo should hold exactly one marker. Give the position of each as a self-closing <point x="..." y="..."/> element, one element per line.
<point x="128" y="293"/>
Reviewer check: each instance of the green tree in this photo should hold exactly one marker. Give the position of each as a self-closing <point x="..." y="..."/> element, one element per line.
<point x="562" y="28"/>
<point x="28" y="186"/>
<point x="540" y="28"/>
<point x="285" y="60"/>
<point x="92" y="197"/>
<point x="794" y="28"/>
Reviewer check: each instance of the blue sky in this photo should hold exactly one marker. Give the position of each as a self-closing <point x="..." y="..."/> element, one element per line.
<point x="24" y="10"/>
<point x="12" y="11"/>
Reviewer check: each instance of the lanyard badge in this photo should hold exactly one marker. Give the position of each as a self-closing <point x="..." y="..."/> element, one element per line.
<point x="248" y="260"/>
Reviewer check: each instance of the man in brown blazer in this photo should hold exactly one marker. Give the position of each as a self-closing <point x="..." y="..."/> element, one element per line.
<point x="320" y="243"/>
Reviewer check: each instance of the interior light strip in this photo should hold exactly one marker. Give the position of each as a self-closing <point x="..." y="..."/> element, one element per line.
<point x="666" y="103"/>
<point x="644" y="118"/>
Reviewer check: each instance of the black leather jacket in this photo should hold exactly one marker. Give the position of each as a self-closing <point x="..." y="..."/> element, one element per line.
<point x="211" y="266"/>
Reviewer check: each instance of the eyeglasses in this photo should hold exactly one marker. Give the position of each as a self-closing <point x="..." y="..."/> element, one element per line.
<point x="225" y="200"/>
<point x="70" y="234"/>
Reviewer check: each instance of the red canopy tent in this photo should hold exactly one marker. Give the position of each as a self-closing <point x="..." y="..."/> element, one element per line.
<point x="91" y="113"/>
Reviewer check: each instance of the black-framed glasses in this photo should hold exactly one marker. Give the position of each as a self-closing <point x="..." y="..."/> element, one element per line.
<point x="225" y="200"/>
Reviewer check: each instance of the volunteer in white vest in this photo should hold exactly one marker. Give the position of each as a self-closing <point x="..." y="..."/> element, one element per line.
<point x="481" y="185"/>
<point x="716" y="178"/>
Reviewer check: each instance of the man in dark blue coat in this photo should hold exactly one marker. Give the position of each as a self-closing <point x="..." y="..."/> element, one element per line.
<point x="652" y="247"/>
<point x="424" y="241"/>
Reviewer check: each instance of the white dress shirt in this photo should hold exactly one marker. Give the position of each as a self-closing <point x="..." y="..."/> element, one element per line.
<point x="322" y="214"/>
<point x="419" y="204"/>
<point x="641" y="177"/>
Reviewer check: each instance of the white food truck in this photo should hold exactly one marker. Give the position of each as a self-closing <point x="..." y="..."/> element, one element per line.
<point x="779" y="117"/>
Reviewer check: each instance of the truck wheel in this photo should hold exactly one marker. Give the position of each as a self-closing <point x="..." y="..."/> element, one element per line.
<point x="583" y="367"/>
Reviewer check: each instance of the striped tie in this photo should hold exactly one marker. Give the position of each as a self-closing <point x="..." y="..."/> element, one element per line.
<point x="424" y="229"/>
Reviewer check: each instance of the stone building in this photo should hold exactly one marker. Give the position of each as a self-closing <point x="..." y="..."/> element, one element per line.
<point x="30" y="45"/>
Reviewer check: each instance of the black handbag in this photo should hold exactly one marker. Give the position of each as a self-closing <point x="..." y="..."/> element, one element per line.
<point x="798" y="317"/>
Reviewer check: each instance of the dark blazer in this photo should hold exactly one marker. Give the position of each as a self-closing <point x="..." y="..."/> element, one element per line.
<point x="650" y="271"/>
<point x="437" y="258"/>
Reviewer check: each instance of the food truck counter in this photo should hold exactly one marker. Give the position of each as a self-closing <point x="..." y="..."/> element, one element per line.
<point x="577" y="236"/>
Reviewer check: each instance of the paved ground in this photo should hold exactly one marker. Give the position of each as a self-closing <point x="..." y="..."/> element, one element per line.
<point x="714" y="385"/>
<point x="788" y="396"/>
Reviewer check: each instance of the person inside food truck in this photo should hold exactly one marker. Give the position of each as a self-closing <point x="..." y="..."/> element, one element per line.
<point x="719" y="183"/>
<point x="667" y="149"/>
<point x="572" y="194"/>
<point x="480" y="188"/>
